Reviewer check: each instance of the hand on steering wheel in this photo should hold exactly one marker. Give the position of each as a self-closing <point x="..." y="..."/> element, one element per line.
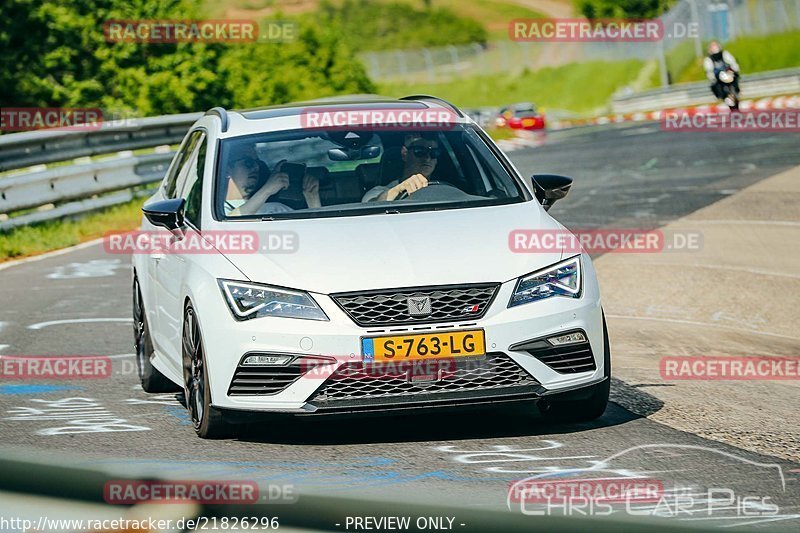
<point x="405" y="194"/>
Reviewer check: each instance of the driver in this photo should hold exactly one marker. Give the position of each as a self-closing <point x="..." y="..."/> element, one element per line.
<point x="420" y="152"/>
<point x="248" y="192"/>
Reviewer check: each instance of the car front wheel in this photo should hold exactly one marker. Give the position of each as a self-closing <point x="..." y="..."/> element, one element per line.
<point x="208" y="422"/>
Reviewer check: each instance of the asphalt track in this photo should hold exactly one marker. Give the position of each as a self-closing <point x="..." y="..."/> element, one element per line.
<point x="625" y="176"/>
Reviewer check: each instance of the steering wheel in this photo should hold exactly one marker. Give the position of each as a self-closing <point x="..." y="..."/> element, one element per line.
<point x="403" y="195"/>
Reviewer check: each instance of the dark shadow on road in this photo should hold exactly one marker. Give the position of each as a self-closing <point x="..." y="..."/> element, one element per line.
<point x="487" y="423"/>
<point x="634" y="399"/>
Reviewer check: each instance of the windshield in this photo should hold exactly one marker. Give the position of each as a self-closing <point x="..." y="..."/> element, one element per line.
<point x="525" y="112"/>
<point x="321" y="173"/>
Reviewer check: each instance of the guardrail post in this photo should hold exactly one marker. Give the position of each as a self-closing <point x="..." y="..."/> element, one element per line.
<point x="453" y="54"/>
<point x="695" y="19"/>
<point x="797" y="13"/>
<point x="762" y="15"/>
<point x="662" y="62"/>
<point x="428" y="63"/>
<point x="376" y="66"/>
<point x="478" y="51"/>
<point x="401" y="62"/>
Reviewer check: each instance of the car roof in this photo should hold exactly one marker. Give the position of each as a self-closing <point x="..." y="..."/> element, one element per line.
<point x="288" y="116"/>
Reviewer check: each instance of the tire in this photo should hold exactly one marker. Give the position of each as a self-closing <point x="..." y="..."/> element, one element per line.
<point x="734" y="96"/>
<point x="151" y="379"/>
<point x="208" y="422"/>
<point x="590" y="407"/>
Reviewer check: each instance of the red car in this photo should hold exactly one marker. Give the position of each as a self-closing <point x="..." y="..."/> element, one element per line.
<point x="520" y="117"/>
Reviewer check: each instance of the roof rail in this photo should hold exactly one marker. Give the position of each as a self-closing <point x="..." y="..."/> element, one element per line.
<point x="222" y="114"/>
<point x="435" y="99"/>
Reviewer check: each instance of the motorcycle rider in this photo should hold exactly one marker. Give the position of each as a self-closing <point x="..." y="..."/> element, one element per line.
<point x="716" y="61"/>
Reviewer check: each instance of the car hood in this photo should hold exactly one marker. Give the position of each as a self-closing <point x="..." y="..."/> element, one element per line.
<point x="397" y="250"/>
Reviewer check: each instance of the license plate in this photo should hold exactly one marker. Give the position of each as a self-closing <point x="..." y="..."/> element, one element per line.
<point x="528" y="122"/>
<point x="424" y="346"/>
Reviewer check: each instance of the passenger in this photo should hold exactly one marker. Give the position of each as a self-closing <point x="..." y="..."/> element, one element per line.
<point x="251" y="185"/>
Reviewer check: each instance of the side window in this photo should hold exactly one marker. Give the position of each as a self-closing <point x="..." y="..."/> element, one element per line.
<point x="171" y="180"/>
<point x="192" y="182"/>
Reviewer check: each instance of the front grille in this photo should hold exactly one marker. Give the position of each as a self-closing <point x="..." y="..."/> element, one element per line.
<point x="261" y="380"/>
<point x="371" y="381"/>
<point x="390" y="307"/>
<point x="568" y="359"/>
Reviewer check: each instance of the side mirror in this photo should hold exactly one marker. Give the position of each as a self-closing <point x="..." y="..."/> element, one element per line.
<point x="550" y="187"/>
<point x="166" y="213"/>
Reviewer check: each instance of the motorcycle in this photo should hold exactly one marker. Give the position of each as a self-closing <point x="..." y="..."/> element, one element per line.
<point x="726" y="78"/>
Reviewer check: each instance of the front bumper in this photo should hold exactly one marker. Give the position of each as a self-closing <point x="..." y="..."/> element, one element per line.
<point x="339" y="339"/>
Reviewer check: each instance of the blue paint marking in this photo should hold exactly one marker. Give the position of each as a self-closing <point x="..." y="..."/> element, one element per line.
<point x="180" y="413"/>
<point x="35" y="389"/>
<point x="356" y="475"/>
<point x="368" y="349"/>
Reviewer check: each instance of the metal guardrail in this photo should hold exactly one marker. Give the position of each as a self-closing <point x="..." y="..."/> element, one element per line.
<point x="81" y="187"/>
<point x="78" y="181"/>
<point x="20" y="150"/>
<point x="761" y="85"/>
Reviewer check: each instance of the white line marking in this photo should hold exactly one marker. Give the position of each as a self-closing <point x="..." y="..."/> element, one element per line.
<point x="41" y="325"/>
<point x="764" y="520"/>
<point x="705" y="324"/>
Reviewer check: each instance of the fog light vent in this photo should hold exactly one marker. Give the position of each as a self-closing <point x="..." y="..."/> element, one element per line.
<point x="266" y="360"/>
<point x="569" y="338"/>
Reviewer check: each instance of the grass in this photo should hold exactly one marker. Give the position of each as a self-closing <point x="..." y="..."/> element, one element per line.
<point x="754" y="54"/>
<point x="47" y="236"/>
<point x="578" y="87"/>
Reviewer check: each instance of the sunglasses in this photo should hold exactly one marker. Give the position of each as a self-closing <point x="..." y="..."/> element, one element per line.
<point x="247" y="162"/>
<point x="422" y="151"/>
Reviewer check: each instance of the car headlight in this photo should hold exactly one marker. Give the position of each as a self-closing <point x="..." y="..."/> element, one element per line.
<point x="561" y="279"/>
<point x="252" y="300"/>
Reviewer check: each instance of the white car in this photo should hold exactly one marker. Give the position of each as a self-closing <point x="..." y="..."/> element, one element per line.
<point x="382" y="278"/>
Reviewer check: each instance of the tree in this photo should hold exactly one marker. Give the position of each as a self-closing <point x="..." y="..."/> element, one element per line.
<point x="632" y="9"/>
<point x="54" y="54"/>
